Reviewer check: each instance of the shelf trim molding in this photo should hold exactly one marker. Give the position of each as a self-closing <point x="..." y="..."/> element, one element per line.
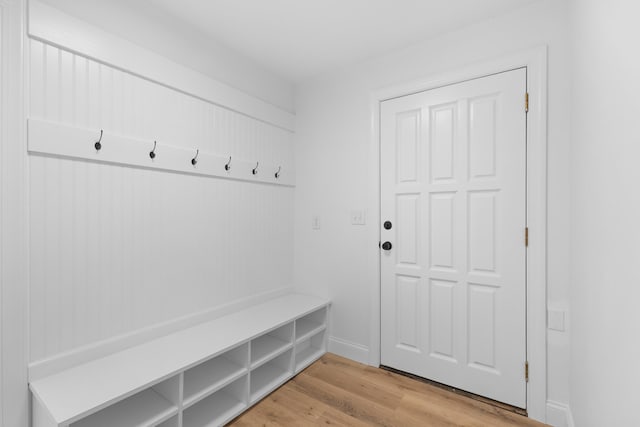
<point x="54" y="27"/>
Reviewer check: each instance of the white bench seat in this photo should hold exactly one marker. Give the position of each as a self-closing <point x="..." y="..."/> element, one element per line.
<point x="225" y="353"/>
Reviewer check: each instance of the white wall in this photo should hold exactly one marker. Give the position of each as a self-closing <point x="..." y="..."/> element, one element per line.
<point x="605" y="211"/>
<point x="332" y="153"/>
<point x="114" y="249"/>
<point x="165" y="34"/>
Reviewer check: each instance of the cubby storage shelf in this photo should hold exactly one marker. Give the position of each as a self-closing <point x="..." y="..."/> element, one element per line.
<point x="147" y="408"/>
<point x="204" y="379"/>
<point x="266" y="347"/>
<point x="270" y="376"/>
<point x="310" y="349"/>
<point x="225" y="407"/>
<point x="171" y="422"/>
<point x="265" y="379"/>
<point x="310" y="324"/>
<point x="218" y="408"/>
<point x="205" y="375"/>
<point x="307" y="328"/>
<point x="306" y="357"/>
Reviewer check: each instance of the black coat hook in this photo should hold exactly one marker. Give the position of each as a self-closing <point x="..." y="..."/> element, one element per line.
<point x="255" y="170"/>
<point x="194" y="161"/>
<point x="98" y="143"/>
<point x="228" y="165"/>
<point x="152" y="153"/>
<point x="278" y="172"/>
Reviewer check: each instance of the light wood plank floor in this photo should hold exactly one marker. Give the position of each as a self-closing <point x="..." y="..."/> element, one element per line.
<point x="337" y="391"/>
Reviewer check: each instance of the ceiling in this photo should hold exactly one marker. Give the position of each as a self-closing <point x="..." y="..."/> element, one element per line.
<point x="298" y="39"/>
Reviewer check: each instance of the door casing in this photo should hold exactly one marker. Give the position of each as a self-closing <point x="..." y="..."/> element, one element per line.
<point x="535" y="61"/>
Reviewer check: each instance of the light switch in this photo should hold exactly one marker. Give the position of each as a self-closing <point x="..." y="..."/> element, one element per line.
<point x="555" y="320"/>
<point x="315" y="222"/>
<point x="357" y="217"/>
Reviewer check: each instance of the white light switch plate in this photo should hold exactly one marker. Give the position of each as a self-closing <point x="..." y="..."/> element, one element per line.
<point x="357" y="217"/>
<point x="315" y="222"/>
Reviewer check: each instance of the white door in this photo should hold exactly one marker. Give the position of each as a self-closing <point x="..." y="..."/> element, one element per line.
<point x="453" y="189"/>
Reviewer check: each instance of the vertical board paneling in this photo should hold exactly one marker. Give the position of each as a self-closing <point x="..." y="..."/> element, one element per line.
<point x="115" y="249"/>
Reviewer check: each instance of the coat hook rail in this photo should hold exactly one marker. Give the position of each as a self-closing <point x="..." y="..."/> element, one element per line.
<point x="100" y="145"/>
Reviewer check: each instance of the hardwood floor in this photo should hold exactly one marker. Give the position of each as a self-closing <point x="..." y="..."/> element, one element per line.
<point x="340" y="392"/>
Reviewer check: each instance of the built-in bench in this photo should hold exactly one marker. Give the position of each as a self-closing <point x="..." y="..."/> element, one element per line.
<point x="202" y="376"/>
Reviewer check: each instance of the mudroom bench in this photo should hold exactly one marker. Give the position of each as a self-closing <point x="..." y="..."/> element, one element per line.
<point x="201" y="376"/>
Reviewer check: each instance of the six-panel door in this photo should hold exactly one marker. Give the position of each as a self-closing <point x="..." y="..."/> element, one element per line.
<point x="453" y="171"/>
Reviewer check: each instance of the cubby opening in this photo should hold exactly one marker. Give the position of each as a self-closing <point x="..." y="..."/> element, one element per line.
<point x="171" y="422"/>
<point x="220" y="407"/>
<point x="152" y="406"/>
<point x="270" y="375"/>
<point x="309" y="350"/>
<point x="310" y="324"/>
<point x="204" y="379"/>
<point x="271" y="344"/>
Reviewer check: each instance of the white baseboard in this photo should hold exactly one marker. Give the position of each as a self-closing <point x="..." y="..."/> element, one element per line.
<point x="59" y="362"/>
<point x="348" y="349"/>
<point x="559" y="414"/>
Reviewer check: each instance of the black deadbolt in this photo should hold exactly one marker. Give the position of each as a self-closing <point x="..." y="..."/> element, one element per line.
<point x="387" y="225"/>
<point x="387" y="246"/>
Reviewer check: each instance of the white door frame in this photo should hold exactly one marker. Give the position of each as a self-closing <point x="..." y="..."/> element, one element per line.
<point x="14" y="273"/>
<point x="536" y="62"/>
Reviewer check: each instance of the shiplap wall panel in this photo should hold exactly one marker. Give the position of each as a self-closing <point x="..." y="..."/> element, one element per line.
<point x="114" y="248"/>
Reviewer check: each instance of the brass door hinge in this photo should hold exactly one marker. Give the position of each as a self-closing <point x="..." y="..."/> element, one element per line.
<point x="526" y="236"/>
<point x="526" y="371"/>
<point x="526" y="102"/>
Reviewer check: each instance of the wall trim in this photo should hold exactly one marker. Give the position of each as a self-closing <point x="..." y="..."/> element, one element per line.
<point x="349" y="349"/>
<point x="52" y="26"/>
<point x="14" y="231"/>
<point x="535" y="60"/>
<point x="84" y="354"/>
<point x="559" y="414"/>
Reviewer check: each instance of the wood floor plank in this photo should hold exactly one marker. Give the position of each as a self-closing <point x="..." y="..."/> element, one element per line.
<point x="354" y="382"/>
<point x="335" y="391"/>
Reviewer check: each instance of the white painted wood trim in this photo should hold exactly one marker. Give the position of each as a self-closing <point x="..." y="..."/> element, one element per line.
<point x="559" y="414"/>
<point x="349" y="349"/>
<point x="536" y="62"/>
<point x="57" y="139"/>
<point x="14" y="269"/>
<point x="52" y="26"/>
<point x="44" y="368"/>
